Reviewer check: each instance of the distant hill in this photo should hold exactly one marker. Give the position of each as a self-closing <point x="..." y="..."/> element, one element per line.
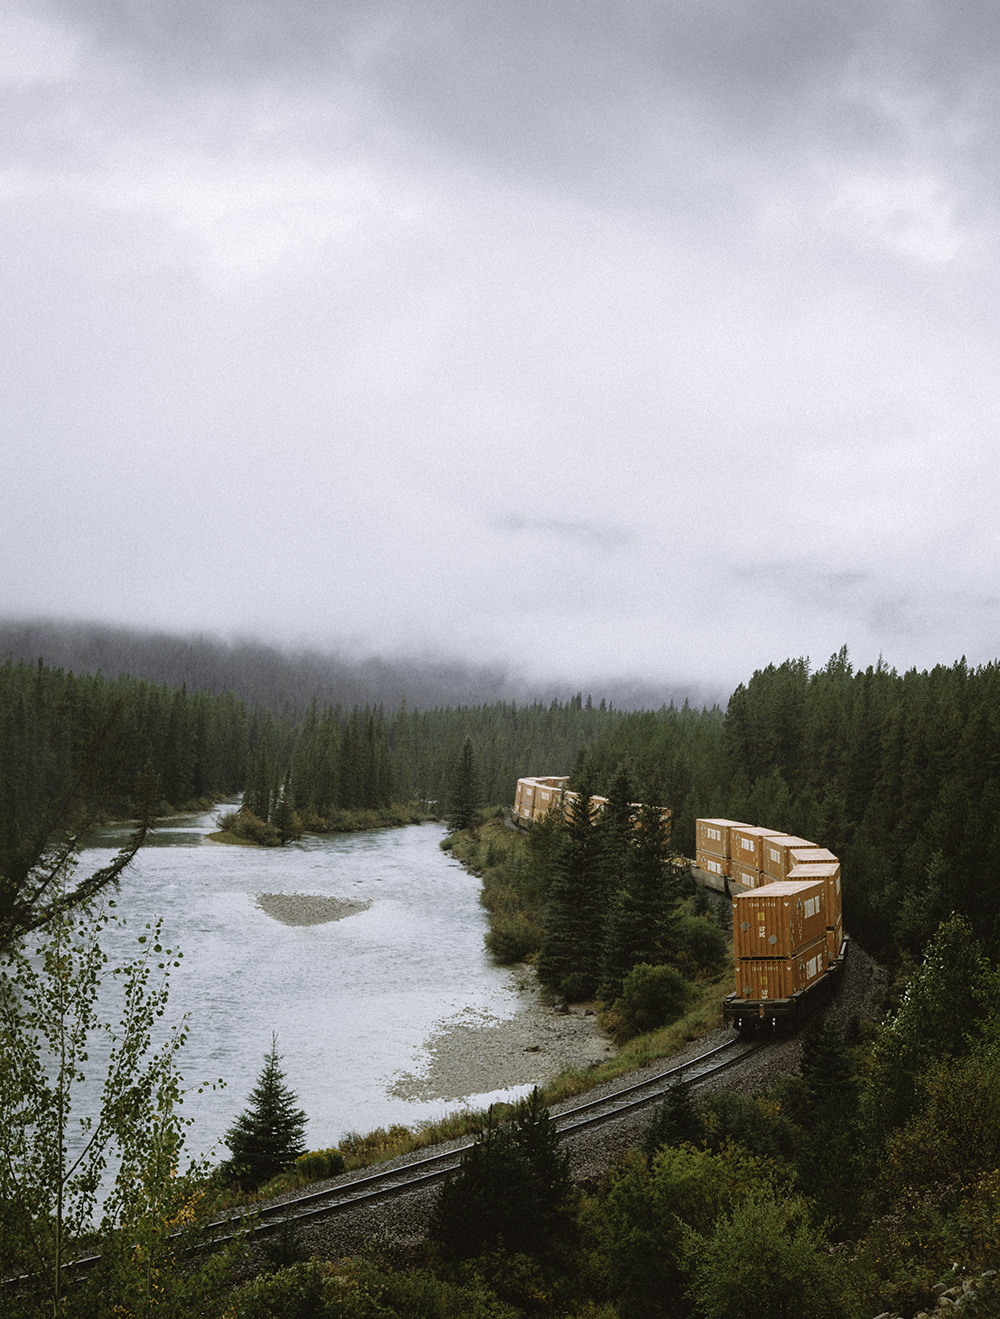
<point x="280" y="679"/>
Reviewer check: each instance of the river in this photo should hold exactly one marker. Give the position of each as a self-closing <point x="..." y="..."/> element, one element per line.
<point x="354" y="1002"/>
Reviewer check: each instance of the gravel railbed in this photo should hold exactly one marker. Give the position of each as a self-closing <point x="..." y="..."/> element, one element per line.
<point x="395" y="1227"/>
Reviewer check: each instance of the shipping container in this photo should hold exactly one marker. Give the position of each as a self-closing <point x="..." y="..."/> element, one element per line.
<point x="776" y="849"/>
<point x="746" y="876"/>
<point x="747" y="843"/>
<point x="829" y="873"/>
<point x="712" y="865"/>
<point x="804" y="856"/>
<point x="779" y="919"/>
<point x="764" y="979"/>
<point x="713" y="836"/>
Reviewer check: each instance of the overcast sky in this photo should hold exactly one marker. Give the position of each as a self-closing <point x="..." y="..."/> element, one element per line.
<point x="655" y="338"/>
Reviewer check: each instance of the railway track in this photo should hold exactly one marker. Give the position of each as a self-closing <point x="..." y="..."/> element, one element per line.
<point x="419" y="1174"/>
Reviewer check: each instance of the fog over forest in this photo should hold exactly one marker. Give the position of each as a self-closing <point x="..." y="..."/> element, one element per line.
<point x="280" y="678"/>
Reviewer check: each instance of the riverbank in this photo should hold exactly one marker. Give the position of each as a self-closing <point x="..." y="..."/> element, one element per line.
<point x="477" y="1053"/>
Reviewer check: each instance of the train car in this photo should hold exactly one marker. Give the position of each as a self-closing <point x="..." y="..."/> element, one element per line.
<point x="788" y="931"/>
<point x="751" y="1008"/>
<point x="534" y="798"/>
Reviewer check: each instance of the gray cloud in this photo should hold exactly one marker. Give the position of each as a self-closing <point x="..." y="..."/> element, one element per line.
<point x="334" y="321"/>
<point x="589" y="535"/>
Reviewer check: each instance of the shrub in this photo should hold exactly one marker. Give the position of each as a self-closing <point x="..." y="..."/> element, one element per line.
<point x="512" y="938"/>
<point x="763" y="1261"/>
<point x="651" y="996"/>
<point x="701" y="948"/>
<point x="320" y="1163"/>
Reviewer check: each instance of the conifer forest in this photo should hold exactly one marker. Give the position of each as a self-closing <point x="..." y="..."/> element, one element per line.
<point x="852" y="1187"/>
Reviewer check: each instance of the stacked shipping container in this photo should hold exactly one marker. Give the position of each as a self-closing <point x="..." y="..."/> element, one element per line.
<point x="713" y="846"/>
<point x="788" y="928"/>
<point x="535" y="797"/>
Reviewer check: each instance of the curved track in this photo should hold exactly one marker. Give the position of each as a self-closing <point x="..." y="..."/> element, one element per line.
<point x="420" y="1173"/>
<point x="435" y="1167"/>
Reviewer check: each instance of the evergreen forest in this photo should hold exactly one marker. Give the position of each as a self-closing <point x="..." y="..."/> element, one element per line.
<point x="857" y="1183"/>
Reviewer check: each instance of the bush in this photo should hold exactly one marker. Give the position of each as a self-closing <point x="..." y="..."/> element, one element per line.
<point x="763" y="1261"/>
<point x="701" y="948"/>
<point x="319" y="1163"/>
<point x="512" y="938"/>
<point x="651" y="996"/>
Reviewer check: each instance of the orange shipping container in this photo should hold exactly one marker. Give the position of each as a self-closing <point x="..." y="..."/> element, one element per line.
<point x="713" y="836"/>
<point x="776" y="849"/>
<point x="764" y="978"/>
<point x="714" y="865"/>
<point x="829" y="873"/>
<point x="746" y="876"/>
<point x="747" y="843"/>
<point x="779" y="919"/>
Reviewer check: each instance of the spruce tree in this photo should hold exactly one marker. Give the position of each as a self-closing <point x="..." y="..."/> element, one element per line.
<point x="638" y="928"/>
<point x="570" y="956"/>
<point x="464" y="794"/>
<point x="268" y="1135"/>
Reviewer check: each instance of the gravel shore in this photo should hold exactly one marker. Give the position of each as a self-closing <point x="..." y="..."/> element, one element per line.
<point x="477" y="1053"/>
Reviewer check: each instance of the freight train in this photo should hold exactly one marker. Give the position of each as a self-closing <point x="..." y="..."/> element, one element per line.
<point x="788" y="928"/>
<point x="788" y="925"/>
<point x="534" y="798"/>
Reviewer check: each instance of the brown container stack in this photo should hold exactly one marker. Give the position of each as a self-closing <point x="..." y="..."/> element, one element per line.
<point x="829" y="873"/>
<point x="780" y="977"/>
<point x="779" y="919"/>
<point x="781" y="938"/>
<point x="747" y="845"/>
<point x="775" y="863"/>
<point x="713" y="845"/>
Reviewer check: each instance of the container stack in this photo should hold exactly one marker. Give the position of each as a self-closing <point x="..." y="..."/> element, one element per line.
<point x="779" y="935"/>
<point x="747" y="843"/>
<point x="777" y="850"/>
<point x="713" y="846"/>
<point x="819" y="863"/>
<point x="788" y="927"/>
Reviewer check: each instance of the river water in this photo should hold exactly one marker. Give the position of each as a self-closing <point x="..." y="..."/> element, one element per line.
<point x="353" y="1001"/>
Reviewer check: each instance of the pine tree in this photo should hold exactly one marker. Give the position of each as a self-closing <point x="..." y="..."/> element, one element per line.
<point x="268" y="1135"/>
<point x="638" y="928"/>
<point x="570" y="956"/>
<point x="513" y="1192"/>
<point x="464" y="794"/>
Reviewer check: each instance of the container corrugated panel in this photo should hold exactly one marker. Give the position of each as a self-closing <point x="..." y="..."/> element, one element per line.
<point x="714" y="865"/>
<point x="769" y="978"/>
<point x="713" y="836"/>
<point x="776" y="849"/>
<point x="779" y="919"/>
<point x="747" y="844"/>
<point x="829" y="873"/>
<point x="746" y="876"/>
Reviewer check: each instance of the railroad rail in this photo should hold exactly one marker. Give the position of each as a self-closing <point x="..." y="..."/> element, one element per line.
<point x="435" y="1167"/>
<point x="420" y="1173"/>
